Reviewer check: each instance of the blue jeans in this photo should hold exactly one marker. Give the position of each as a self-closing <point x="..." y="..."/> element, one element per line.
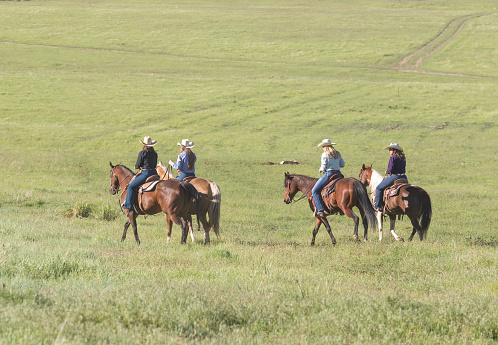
<point x="389" y="180"/>
<point x="322" y="182"/>
<point x="133" y="186"/>
<point x="183" y="175"/>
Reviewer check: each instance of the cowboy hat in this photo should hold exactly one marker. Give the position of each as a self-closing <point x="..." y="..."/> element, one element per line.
<point x="326" y="142"/>
<point x="187" y="143"/>
<point x="148" y="141"/>
<point x="393" y="146"/>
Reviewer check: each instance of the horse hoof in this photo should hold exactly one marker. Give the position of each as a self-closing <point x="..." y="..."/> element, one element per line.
<point x="399" y="239"/>
<point x="355" y="238"/>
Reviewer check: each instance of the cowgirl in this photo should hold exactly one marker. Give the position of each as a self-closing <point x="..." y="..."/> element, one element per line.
<point x="395" y="170"/>
<point x="332" y="162"/>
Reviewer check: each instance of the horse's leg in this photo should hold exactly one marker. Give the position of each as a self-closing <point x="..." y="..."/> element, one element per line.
<point x="379" y="222"/>
<point x="169" y="223"/>
<point x="127" y="224"/>
<point x="329" y="230"/>
<point x="392" y="219"/>
<point x="184" y="226"/>
<point x="318" y="222"/>
<point x="416" y="228"/>
<point x="364" y="220"/>
<point x="205" y="226"/>
<point x="190" y="228"/>
<point x="349" y="212"/>
<point x="133" y="219"/>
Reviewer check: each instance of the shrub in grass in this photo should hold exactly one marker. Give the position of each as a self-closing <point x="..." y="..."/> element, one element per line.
<point x="106" y="212"/>
<point x="81" y="210"/>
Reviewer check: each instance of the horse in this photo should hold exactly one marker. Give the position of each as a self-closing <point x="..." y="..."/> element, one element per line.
<point x="175" y="199"/>
<point x="411" y="200"/>
<point x="209" y="203"/>
<point x="349" y="192"/>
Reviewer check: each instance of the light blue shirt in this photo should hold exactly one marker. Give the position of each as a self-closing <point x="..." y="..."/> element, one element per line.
<point x="331" y="163"/>
<point x="182" y="163"/>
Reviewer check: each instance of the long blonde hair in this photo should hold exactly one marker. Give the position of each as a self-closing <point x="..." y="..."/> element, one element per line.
<point x="331" y="152"/>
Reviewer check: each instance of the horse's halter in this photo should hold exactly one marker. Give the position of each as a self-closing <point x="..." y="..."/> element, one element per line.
<point x="287" y="187"/>
<point x="361" y="177"/>
<point x="114" y="190"/>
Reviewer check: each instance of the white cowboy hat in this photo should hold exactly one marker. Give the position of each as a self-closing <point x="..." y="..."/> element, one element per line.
<point x="148" y="141"/>
<point x="187" y="143"/>
<point x="393" y="146"/>
<point x="326" y="142"/>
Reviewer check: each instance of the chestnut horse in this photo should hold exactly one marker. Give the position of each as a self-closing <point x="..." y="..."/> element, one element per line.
<point x="209" y="203"/>
<point x="349" y="192"/>
<point x="175" y="199"/>
<point x="410" y="200"/>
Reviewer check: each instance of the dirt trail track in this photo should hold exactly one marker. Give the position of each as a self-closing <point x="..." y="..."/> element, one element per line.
<point x="413" y="62"/>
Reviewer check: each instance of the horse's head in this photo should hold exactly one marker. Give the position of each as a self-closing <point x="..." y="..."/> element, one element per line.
<point x="114" y="180"/>
<point x="290" y="188"/>
<point x="164" y="171"/>
<point x="365" y="175"/>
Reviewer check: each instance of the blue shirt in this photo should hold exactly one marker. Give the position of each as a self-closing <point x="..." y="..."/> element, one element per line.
<point x="331" y="163"/>
<point x="182" y="163"/>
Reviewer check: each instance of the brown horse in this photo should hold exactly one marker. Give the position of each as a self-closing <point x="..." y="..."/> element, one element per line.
<point x="349" y="192"/>
<point x="209" y="203"/>
<point x="410" y="200"/>
<point x="173" y="198"/>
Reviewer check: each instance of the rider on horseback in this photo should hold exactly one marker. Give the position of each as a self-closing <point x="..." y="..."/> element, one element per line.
<point x="331" y="163"/>
<point x="395" y="170"/>
<point x="146" y="161"/>
<point x="186" y="160"/>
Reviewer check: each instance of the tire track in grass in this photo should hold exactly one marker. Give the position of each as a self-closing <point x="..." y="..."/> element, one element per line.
<point x="413" y="62"/>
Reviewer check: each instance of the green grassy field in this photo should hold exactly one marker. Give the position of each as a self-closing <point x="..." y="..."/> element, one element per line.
<point x="81" y="82"/>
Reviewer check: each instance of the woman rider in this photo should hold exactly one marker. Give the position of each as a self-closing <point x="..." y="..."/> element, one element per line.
<point x="147" y="162"/>
<point x="395" y="170"/>
<point x="186" y="160"/>
<point x="332" y="162"/>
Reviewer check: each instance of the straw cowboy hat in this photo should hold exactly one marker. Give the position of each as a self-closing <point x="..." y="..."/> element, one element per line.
<point x="326" y="142"/>
<point x="148" y="141"/>
<point x="393" y="146"/>
<point x="187" y="143"/>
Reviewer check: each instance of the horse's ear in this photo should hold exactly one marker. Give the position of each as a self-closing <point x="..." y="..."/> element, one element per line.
<point x="112" y="166"/>
<point x="363" y="167"/>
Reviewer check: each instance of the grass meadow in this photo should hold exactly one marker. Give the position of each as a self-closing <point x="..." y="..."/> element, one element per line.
<point x="250" y="82"/>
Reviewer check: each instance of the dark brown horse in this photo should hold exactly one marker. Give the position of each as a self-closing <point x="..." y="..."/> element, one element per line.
<point x="349" y="193"/>
<point x="175" y="199"/>
<point x="208" y="205"/>
<point x="410" y="200"/>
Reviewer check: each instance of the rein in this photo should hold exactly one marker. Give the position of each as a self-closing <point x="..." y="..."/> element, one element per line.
<point x="305" y="192"/>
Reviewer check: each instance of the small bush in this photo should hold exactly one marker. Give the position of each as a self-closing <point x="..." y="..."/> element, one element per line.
<point x="81" y="210"/>
<point x="106" y="212"/>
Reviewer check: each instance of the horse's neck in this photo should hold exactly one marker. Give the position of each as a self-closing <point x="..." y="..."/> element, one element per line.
<point x="305" y="183"/>
<point x="125" y="176"/>
<point x="375" y="179"/>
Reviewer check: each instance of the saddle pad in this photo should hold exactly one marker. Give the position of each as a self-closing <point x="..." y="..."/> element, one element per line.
<point x="149" y="186"/>
<point x="330" y="187"/>
<point x="394" y="189"/>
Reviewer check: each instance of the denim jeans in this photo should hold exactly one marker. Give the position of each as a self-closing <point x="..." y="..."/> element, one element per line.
<point x="322" y="182"/>
<point x="133" y="186"/>
<point x="389" y="180"/>
<point x="182" y="176"/>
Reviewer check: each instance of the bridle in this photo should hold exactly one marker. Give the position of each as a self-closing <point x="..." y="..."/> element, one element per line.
<point x="117" y="178"/>
<point x="287" y="181"/>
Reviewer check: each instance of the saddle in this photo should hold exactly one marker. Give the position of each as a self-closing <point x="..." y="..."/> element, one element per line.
<point x="393" y="190"/>
<point x="148" y="186"/>
<point x="329" y="189"/>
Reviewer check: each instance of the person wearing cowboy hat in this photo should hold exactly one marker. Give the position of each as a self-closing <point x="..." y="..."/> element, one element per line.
<point x="395" y="170"/>
<point x="331" y="163"/>
<point x="147" y="162"/>
<point x="186" y="160"/>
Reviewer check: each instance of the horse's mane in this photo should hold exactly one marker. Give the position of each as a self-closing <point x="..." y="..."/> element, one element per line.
<point x="376" y="178"/>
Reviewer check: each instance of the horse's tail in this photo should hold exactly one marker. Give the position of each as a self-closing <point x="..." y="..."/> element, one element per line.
<point x="194" y="194"/>
<point x="364" y="203"/>
<point x="214" y="208"/>
<point x="426" y="215"/>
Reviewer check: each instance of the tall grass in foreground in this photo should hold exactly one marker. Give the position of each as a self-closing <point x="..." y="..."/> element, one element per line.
<point x="82" y="82"/>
